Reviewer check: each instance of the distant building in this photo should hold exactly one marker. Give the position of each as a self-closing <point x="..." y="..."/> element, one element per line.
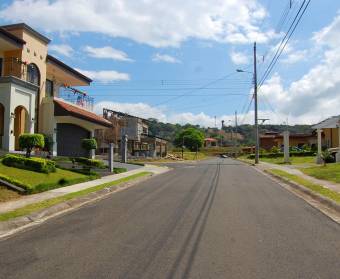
<point x="210" y="142"/>
<point x="140" y="142"/>
<point x="271" y="139"/>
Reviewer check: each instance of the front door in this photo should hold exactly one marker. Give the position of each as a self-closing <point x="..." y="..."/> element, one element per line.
<point x="20" y="124"/>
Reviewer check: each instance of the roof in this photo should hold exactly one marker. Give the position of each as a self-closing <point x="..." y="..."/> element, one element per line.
<point x="331" y="122"/>
<point x="63" y="108"/>
<point x="27" y="28"/>
<point x="210" y="139"/>
<point x="52" y="59"/>
<point x="13" y="39"/>
<point x="122" y="114"/>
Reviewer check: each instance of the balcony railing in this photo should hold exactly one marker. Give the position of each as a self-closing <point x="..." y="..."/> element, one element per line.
<point x="13" y="66"/>
<point x="76" y="97"/>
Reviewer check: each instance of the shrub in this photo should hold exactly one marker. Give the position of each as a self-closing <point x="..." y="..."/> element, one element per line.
<point x="30" y="141"/>
<point x="32" y="164"/>
<point x="119" y="170"/>
<point x="327" y="157"/>
<point x="89" y="144"/>
<point x="275" y="150"/>
<point x="48" y="143"/>
<point x="89" y="162"/>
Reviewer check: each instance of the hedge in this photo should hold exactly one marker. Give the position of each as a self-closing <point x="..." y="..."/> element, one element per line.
<point x="280" y="155"/>
<point x="119" y="170"/>
<point x="32" y="164"/>
<point x="88" y="162"/>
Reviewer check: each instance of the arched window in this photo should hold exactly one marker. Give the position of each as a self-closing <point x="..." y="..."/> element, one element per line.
<point x="33" y="74"/>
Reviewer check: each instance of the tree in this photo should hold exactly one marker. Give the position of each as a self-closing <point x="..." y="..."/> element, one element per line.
<point x="89" y="144"/>
<point x="30" y="141"/>
<point x="191" y="137"/>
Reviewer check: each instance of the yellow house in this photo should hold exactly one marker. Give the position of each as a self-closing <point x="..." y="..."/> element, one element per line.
<point x="328" y="132"/>
<point x="37" y="94"/>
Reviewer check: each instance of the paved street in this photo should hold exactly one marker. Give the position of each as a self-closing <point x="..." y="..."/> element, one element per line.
<point x="213" y="219"/>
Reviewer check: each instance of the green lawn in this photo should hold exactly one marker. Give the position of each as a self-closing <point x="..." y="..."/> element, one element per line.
<point x="190" y="155"/>
<point x="48" y="203"/>
<point x="329" y="172"/>
<point x="310" y="185"/>
<point x="294" y="160"/>
<point x="8" y="195"/>
<point x="35" y="182"/>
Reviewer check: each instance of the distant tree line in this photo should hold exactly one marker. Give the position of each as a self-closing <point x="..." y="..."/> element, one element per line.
<point x="171" y="131"/>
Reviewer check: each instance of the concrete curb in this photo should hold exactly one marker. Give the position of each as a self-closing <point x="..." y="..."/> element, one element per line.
<point x="321" y="199"/>
<point x="8" y="228"/>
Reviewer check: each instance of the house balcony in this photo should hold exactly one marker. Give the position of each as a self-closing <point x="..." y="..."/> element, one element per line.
<point x="76" y="97"/>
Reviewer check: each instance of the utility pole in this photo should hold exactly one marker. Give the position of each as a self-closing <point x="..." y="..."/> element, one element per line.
<point x="236" y="134"/>
<point x="257" y="146"/>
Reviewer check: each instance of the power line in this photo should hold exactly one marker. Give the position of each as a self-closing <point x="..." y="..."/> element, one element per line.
<point x="285" y="40"/>
<point x="200" y="88"/>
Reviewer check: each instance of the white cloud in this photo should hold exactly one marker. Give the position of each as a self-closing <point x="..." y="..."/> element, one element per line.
<point x="137" y="109"/>
<point x="164" y="115"/>
<point x="107" y="52"/>
<point x="105" y="76"/>
<point x="239" y="58"/>
<point x="156" y="23"/>
<point x="165" y="58"/>
<point x="62" y="49"/>
<point x="295" y="56"/>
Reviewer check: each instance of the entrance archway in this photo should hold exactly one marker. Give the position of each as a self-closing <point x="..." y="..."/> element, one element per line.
<point x="2" y="119"/>
<point x="21" y="124"/>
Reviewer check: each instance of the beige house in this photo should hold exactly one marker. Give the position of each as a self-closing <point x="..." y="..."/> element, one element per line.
<point x="37" y="94"/>
<point x="328" y="132"/>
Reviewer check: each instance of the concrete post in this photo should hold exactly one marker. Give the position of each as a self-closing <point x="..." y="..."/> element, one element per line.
<point x="124" y="148"/>
<point x="319" y="155"/>
<point x="93" y="151"/>
<point x="286" y="146"/>
<point x="111" y="155"/>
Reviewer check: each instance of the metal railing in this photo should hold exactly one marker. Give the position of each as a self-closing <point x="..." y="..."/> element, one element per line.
<point x="13" y="66"/>
<point x="76" y="97"/>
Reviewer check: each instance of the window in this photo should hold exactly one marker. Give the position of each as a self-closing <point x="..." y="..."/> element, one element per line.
<point x="49" y="88"/>
<point x="33" y="74"/>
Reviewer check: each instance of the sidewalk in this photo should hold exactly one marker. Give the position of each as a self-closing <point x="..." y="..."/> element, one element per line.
<point x="26" y="200"/>
<point x="292" y="169"/>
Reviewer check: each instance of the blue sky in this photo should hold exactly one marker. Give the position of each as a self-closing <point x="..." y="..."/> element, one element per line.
<point x="166" y="59"/>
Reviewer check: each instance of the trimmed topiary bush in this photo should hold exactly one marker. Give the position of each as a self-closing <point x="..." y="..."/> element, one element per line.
<point x="30" y="141"/>
<point x="89" y="144"/>
<point x="32" y="164"/>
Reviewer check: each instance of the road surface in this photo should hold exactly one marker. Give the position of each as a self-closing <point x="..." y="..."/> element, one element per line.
<point x="213" y="219"/>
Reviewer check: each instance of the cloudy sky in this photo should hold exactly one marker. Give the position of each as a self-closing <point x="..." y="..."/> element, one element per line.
<point x="176" y="60"/>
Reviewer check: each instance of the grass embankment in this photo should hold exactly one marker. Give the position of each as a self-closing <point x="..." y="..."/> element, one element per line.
<point x="330" y="172"/>
<point x="34" y="182"/>
<point x="8" y="195"/>
<point x="50" y="202"/>
<point x="279" y="161"/>
<point x="190" y="155"/>
<point x="308" y="184"/>
<point x="293" y="160"/>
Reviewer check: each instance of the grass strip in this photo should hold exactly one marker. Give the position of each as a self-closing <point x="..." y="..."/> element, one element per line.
<point x="335" y="196"/>
<point x="50" y="202"/>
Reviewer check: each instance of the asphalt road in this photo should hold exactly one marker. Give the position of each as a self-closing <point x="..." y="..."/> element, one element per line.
<point x="214" y="219"/>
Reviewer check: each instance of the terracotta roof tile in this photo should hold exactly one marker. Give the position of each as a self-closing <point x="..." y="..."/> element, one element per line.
<point x="82" y="113"/>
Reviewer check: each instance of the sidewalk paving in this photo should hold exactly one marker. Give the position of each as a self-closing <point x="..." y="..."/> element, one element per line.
<point x="292" y="169"/>
<point x="26" y="200"/>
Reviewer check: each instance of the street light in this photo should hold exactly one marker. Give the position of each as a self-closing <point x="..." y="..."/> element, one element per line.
<point x="257" y="142"/>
